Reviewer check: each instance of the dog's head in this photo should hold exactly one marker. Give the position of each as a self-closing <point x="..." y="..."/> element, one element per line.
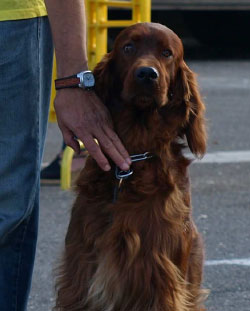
<point x="146" y="70"/>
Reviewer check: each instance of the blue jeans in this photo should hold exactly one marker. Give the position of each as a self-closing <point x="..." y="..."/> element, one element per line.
<point x="25" y="78"/>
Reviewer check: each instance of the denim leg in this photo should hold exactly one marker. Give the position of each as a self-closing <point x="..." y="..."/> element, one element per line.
<point x="25" y="78"/>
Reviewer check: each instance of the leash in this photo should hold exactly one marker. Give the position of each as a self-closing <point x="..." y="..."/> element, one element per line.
<point x="121" y="175"/>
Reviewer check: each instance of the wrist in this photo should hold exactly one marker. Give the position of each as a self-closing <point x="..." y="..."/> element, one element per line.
<point x="70" y="68"/>
<point x="84" y="80"/>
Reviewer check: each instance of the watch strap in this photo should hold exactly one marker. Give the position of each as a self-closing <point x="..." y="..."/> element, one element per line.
<point x="67" y="82"/>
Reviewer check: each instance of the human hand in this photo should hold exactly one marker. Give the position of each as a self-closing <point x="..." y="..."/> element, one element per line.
<point x="81" y="114"/>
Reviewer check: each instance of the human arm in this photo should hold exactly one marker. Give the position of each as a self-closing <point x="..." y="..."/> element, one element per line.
<point x="80" y="113"/>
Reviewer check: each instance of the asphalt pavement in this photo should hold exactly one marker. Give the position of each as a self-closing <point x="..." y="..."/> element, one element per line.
<point x="220" y="194"/>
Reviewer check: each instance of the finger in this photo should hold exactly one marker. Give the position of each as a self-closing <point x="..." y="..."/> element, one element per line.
<point x="70" y="140"/>
<point x="117" y="143"/>
<point x="109" y="148"/>
<point x="95" y="151"/>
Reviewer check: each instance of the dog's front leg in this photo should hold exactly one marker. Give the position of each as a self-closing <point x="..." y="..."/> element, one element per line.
<point x="195" y="271"/>
<point x="135" y="272"/>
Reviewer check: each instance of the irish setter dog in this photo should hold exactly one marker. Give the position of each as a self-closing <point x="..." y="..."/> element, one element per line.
<point x="138" y="249"/>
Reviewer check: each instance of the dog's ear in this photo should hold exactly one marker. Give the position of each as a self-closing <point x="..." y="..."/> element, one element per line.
<point x="104" y="77"/>
<point x="186" y="89"/>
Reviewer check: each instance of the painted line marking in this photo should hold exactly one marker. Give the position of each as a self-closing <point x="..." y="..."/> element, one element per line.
<point x="225" y="157"/>
<point x="238" y="262"/>
<point x="216" y="157"/>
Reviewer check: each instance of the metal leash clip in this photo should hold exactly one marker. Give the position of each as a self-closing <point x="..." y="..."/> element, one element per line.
<point x="119" y="174"/>
<point x="141" y="157"/>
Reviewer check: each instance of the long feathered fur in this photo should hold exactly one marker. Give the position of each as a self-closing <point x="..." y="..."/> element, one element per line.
<point x="143" y="252"/>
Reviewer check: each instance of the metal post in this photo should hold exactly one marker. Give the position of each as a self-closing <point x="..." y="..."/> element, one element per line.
<point x="145" y="10"/>
<point x="101" y="29"/>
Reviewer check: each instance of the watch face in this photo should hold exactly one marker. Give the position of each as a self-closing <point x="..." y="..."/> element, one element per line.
<point x="88" y="79"/>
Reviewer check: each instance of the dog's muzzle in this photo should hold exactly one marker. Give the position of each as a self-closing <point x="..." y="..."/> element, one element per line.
<point x="146" y="75"/>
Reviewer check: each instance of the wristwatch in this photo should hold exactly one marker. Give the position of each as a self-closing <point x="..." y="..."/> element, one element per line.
<point x="84" y="80"/>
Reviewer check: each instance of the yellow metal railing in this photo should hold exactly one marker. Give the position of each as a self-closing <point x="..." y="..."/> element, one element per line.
<point x="97" y="34"/>
<point x="98" y="23"/>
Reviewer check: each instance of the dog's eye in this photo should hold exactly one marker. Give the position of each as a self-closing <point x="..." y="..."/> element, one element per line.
<point x="167" y="53"/>
<point x="128" y="48"/>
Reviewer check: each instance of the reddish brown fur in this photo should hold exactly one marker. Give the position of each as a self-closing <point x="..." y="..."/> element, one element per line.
<point x="143" y="252"/>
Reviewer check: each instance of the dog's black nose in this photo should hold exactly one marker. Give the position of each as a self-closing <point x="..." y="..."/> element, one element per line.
<point x="146" y="74"/>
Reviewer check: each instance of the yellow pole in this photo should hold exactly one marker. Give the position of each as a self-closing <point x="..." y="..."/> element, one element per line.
<point x="145" y="10"/>
<point x="91" y="32"/>
<point x="65" y="173"/>
<point x="141" y="11"/>
<point x="101" y="30"/>
<point x="52" y="113"/>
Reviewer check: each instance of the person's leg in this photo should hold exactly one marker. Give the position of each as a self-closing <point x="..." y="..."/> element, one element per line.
<point x="25" y="73"/>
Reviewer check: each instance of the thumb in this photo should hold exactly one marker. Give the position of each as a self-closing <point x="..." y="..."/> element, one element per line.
<point x="70" y="140"/>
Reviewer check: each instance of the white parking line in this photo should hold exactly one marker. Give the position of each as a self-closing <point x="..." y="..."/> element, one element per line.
<point x="225" y="157"/>
<point x="238" y="262"/>
<point x="216" y="157"/>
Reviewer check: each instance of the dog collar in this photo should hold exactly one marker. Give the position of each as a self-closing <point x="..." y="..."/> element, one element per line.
<point x="121" y="175"/>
